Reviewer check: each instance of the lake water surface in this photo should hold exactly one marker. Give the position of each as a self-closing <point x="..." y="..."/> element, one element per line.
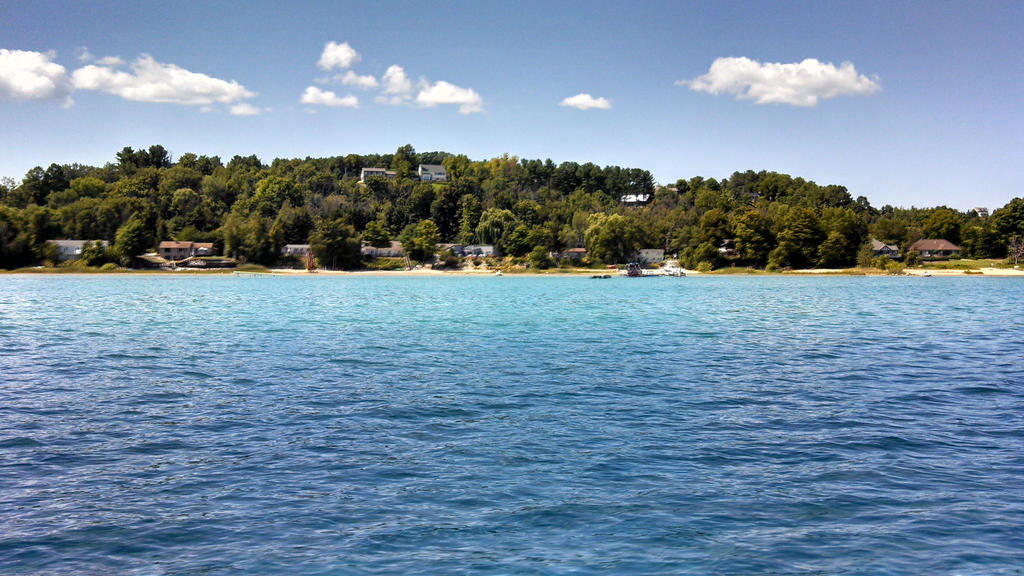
<point x="354" y="425"/>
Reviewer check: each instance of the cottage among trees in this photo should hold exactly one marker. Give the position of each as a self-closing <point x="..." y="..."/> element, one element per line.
<point x="935" y="249"/>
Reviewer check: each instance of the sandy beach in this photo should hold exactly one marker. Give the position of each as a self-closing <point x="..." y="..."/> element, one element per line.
<point x="973" y="272"/>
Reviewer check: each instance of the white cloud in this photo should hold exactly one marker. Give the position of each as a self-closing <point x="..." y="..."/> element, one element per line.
<point x="586" y="102"/>
<point x="318" y="97"/>
<point x="84" y="56"/>
<point x="32" y="76"/>
<point x="110" y="61"/>
<point x="395" y="87"/>
<point x="152" y="81"/>
<point x="362" y="82"/>
<point x="338" y="56"/>
<point x="396" y="81"/>
<point x="798" y="84"/>
<point x="245" y="109"/>
<point x="442" y="92"/>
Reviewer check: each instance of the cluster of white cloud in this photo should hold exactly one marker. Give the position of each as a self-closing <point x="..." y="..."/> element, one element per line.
<point x="395" y="86"/>
<point x="27" y="75"/>
<point x="442" y="92"/>
<point x="152" y="81"/>
<point x="586" y="102"/>
<point x="367" y="82"/>
<point x="338" y="56"/>
<point x="798" y="84"/>
<point x="34" y="76"/>
<point x="317" y="97"/>
<point x="245" y="109"/>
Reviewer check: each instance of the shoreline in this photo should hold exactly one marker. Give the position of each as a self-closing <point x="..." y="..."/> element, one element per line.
<point x="582" y="273"/>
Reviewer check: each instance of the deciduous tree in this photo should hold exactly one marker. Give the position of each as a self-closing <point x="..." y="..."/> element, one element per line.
<point x="376" y="235"/>
<point x="1015" y="248"/>
<point x="132" y="239"/>
<point x="336" y="245"/>
<point x="612" y="239"/>
<point x="420" y="240"/>
<point x="943" y="223"/>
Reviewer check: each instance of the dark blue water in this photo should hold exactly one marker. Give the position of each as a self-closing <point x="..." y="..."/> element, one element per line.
<point x="706" y="425"/>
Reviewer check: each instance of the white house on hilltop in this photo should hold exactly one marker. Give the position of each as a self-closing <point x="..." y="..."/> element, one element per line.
<point x="432" y="173"/>
<point x="635" y="199"/>
<point x="371" y="172"/>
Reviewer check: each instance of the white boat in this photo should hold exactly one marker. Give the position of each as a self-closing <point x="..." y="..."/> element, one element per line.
<point x="498" y="273"/>
<point x="672" y="268"/>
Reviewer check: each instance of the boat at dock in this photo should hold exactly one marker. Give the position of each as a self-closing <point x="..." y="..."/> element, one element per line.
<point x="672" y="268"/>
<point x="633" y="270"/>
<point x="636" y="270"/>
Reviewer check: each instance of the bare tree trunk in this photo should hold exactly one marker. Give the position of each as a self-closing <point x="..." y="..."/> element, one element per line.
<point x="1016" y="248"/>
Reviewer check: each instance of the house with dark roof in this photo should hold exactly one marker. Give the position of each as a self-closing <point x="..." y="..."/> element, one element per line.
<point x="173" y="250"/>
<point x="394" y="250"/>
<point x="879" y="249"/>
<point x="935" y="249"/>
<point x="295" y="250"/>
<point x="573" y="254"/>
<point x="479" y="250"/>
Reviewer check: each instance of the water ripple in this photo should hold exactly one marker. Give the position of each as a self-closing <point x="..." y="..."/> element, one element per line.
<point x="518" y="425"/>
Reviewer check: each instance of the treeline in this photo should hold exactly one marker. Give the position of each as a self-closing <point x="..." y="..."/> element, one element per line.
<point x="250" y="210"/>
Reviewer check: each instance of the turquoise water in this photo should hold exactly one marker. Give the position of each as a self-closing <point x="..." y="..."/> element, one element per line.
<point x="355" y="425"/>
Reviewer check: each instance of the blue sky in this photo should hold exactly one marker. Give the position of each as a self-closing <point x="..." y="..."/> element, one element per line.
<point x="926" y="111"/>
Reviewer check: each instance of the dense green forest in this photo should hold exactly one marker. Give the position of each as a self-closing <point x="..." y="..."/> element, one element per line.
<point x="526" y="208"/>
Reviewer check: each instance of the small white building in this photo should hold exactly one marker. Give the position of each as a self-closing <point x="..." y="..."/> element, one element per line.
<point x="635" y="199"/>
<point x="72" y="249"/>
<point x="432" y="173"/>
<point x="371" y="172"/>
<point x="296" y="250"/>
<point x="650" y="255"/>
